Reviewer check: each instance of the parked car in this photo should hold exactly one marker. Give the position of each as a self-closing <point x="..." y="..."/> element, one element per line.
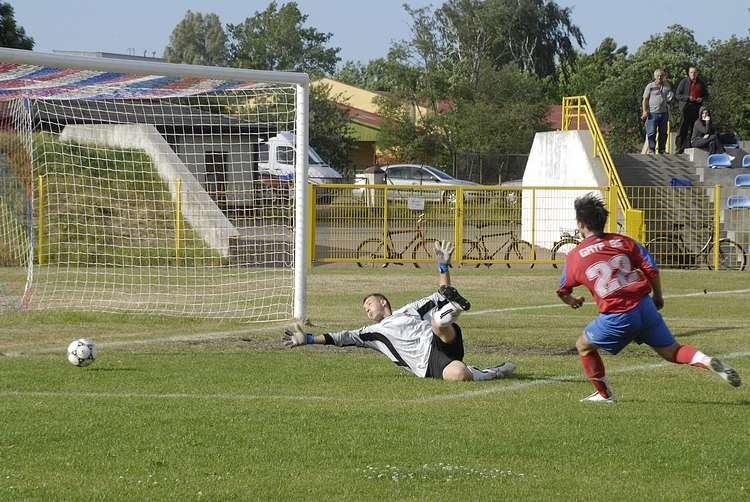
<point x="415" y="175"/>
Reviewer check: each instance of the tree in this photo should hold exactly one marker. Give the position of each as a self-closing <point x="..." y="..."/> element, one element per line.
<point x="275" y="39"/>
<point x="727" y="68"/>
<point x="12" y="35"/>
<point x="198" y="39"/>
<point x="329" y="128"/>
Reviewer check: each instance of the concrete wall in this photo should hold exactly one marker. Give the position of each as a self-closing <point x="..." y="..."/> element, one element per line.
<point x="557" y="159"/>
<point x="197" y="207"/>
<point x="192" y="150"/>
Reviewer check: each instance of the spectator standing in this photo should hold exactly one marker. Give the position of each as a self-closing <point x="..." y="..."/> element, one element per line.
<point x="656" y="98"/>
<point x="691" y="93"/>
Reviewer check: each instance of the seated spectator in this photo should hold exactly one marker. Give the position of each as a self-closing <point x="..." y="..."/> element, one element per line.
<point x="704" y="133"/>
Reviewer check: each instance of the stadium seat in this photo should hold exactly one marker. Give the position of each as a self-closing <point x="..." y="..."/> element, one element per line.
<point x="738" y="201"/>
<point x="742" y="180"/>
<point x="746" y="160"/>
<point x="719" y="160"/>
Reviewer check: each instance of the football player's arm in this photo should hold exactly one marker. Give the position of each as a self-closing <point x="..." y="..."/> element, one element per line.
<point x="565" y="292"/>
<point x="648" y="266"/>
<point x="296" y="336"/>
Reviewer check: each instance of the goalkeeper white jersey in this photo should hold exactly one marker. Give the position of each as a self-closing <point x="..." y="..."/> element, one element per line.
<point x="405" y="336"/>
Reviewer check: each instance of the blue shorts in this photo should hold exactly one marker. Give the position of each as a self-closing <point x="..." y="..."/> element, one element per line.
<point x="643" y="324"/>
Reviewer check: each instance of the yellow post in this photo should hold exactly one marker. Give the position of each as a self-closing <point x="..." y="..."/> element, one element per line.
<point x="669" y="137"/>
<point x="717" y="218"/>
<point x="312" y="220"/>
<point x="634" y="225"/>
<point x="385" y="223"/>
<point x="40" y="225"/>
<point x="458" y="234"/>
<point x="178" y="219"/>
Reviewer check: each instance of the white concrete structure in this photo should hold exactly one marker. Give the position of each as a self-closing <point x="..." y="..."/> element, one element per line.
<point x="197" y="206"/>
<point x="557" y="159"/>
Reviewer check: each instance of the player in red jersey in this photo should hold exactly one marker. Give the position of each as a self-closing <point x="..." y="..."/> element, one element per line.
<point x="620" y="274"/>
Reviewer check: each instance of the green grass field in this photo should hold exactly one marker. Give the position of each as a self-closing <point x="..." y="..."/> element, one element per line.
<point x="184" y="409"/>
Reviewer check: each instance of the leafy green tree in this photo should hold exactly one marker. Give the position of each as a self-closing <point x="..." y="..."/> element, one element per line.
<point x="329" y="129"/>
<point x="12" y="35"/>
<point x="586" y="72"/>
<point x="376" y="75"/>
<point x="276" y="39"/>
<point x="727" y="68"/>
<point x="198" y="39"/>
<point x="533" y="34"/>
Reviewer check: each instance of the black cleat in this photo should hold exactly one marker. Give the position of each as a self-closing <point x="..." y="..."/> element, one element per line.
<point x="452" y="295"/>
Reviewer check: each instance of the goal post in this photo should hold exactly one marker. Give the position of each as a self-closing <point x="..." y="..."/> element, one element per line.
<point x="140" y="186"/>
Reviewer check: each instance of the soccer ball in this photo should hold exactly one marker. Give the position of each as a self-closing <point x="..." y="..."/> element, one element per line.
<point x="81" y="352"/>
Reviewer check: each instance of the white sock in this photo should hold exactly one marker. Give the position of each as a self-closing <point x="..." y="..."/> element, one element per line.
<point x="700" y="358"/>
<point x="446" y="314"/>
<point x="478" y="374"/>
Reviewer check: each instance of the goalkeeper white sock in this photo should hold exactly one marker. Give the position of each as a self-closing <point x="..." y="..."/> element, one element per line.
<point x="478" y="374"/>
<point x="446" y="314"/>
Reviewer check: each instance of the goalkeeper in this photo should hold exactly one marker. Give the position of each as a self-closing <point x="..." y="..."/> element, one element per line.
<point x="422" y="337"/>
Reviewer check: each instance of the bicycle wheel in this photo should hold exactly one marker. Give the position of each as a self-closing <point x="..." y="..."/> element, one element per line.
<point x="422" y="251"/>
<point x="731" y="256"/>
<point x="562" y="248"/>
<point x="520" y="250"/>
<point x="666" y="252"/>
<point x="368" y="251"/>
<point x="472" y="252"/>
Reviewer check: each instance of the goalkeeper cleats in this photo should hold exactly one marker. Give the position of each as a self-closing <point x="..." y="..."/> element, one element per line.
<point x="499" y="371"/>
<point x="727" y="373"/>
<point x="452" y="295"/>
<point x="598" y="398"/>
<point x="502" y="370"/>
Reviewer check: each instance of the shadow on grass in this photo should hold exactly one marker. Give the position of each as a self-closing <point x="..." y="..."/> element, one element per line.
<point x="704" y="331"/>
<point x="740" y="402"/>
<point x="113" y="369"/>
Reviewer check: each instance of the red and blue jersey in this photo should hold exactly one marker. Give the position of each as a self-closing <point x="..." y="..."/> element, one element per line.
<point x="615" y="268"/>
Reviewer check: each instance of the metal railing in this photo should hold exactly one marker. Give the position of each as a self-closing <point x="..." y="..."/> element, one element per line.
<point x="575" y="110"/>
<point x="517" y="226"/>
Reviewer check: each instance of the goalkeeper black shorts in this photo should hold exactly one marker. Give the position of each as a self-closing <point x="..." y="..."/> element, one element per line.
<point x="442" y="354"/>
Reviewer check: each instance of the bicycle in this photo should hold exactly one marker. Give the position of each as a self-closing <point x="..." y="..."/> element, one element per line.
<point x="672" y="250"/>
<point x="567" y="242"/>
<point x="513" y="247"/>
<point x="370" y="251"/>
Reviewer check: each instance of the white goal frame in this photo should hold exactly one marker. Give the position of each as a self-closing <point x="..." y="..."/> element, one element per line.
<point x="300" y="80"/>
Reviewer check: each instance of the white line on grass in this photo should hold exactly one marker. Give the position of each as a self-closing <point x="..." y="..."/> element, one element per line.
<point x="493" y="389"/>
<point x="551" y="380"/>
<point x="557" y="305"/>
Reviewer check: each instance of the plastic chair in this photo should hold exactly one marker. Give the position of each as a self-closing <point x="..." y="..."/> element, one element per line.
<point x="719" y="160"/>
<point x="746" y="160"/>
<point x="742" y="180"/>
<point x="738" y="201"/>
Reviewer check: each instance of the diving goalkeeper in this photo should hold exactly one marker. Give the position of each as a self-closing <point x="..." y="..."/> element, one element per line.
<point x="422" y="336"/>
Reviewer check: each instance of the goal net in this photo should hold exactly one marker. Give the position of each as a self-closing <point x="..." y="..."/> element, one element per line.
<point x="146" y="187"/>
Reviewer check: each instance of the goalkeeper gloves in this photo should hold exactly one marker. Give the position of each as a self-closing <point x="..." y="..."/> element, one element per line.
<point x="295" y="336"/>
<point x="443" y="252"/>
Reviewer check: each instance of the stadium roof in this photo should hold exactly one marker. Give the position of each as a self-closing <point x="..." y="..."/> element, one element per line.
<point x="29" y="81"/>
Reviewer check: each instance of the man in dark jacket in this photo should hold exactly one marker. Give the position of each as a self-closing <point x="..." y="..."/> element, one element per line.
<point x="691" y="93"/>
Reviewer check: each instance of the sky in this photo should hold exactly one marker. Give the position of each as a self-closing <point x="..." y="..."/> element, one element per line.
<point x="363" y="29"/>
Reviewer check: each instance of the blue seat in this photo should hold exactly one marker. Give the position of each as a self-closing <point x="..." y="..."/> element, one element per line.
<point x="738" y="201"/>
<point x="719" y="160"/>
<point x="742" y="180"/>
<point x="746" y="160"/>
